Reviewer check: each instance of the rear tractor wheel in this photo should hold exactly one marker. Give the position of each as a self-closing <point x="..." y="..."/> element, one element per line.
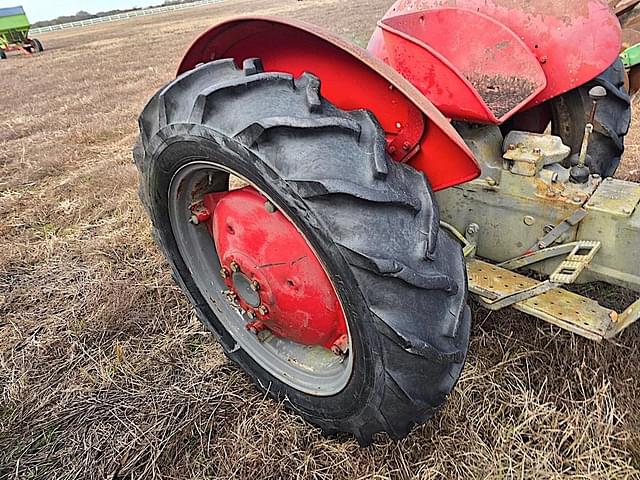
<point x="317" y="261"/>
<point x="570" y="113"/>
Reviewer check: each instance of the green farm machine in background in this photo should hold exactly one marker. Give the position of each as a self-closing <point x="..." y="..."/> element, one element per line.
<point x="14" y="33"/>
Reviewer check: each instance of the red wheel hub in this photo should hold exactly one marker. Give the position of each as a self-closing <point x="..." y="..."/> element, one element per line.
<point x="271" y="272"/>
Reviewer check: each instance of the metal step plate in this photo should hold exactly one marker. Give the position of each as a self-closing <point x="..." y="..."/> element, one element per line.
<point x="565" y="309"/>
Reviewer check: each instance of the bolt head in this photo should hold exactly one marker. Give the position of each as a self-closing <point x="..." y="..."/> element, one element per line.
<point x="269" y="207"/>
<point x="224" y="273"/>
<point x="263" y="310"/>
<point x="255" y="286"/>
<point x="251" y="314"/>
<point x="194" y="220"/>
<point x="264" y="335"/>
<point x="577" y="199"/>
<point x="235" y="267"/>
<point x="529" y="220"/>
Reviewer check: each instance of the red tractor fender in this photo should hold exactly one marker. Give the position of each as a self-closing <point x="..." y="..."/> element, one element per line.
<point x="547" y="47"/>
<point x="351" y="78"/>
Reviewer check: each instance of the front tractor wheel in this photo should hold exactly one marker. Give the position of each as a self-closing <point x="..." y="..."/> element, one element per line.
<point x="316" y="260"/>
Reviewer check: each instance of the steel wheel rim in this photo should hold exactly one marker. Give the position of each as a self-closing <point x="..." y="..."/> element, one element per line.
<point x="309" y="369"/>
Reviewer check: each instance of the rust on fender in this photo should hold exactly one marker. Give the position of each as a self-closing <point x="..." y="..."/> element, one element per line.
<point x="351" y="78"/>
<point x="570" y="41"/>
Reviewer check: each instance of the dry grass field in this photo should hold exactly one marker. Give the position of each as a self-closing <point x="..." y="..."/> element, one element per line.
<point x="105" y="373"/>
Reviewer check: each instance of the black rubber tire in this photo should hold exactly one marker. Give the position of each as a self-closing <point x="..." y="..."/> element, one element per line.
<point x="37" y="45"/>
<point x="570" y="113"/>
<point x="373" y="223"/>
<point x="3" y="55"/>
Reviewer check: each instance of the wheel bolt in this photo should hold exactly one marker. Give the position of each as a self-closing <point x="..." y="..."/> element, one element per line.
<point x="341" y="346"/>
<point x="255" y="327"/>
<point x="264" y="335"/>
<point x="224" y="273"/>
<point x="235" y="267"/>
<point x="269" y="207"/>
<point x="251" y="314"/>
<point x="263" y="310"/>
<point x="255" y="286"/>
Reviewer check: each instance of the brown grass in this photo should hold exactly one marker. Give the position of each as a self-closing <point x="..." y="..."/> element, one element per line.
<point x="105" y="372"/>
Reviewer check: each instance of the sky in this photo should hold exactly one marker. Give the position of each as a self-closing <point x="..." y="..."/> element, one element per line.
<point x="47" y="9"/>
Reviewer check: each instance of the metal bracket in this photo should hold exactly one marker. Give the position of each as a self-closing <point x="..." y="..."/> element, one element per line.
<point x="557" y="231"/>
<point x="508" y="300"/>
<point x="579" y="259"/>
<point x="468" y="244"/>
<point x="626" y="318"/>
<point x="580" y="255"/>
<point x="538" y="256"/>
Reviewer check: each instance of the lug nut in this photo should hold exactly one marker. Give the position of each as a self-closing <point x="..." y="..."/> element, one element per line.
<point x="255" y="286"/>
<point x="224" y="273"/>
<point x="235" y="267"/>
<point x="263" y="310"/>
<point x="251" y="314"/>
<point x="264" y="335"/>
<point x="341" y="346"/>
<point x="231" y="296"/>
<point x="199" y="214"/>
<point x="255" y="327"/>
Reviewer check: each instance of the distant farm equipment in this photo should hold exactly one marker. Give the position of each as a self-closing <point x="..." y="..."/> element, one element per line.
<point x="14" y="33"/>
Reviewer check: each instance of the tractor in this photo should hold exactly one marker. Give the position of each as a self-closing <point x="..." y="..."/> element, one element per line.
<point x="327" y="209"/>
<point x="14" y="33"/>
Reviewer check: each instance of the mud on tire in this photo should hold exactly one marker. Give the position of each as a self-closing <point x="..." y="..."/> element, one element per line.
<point x="373" y="223"/>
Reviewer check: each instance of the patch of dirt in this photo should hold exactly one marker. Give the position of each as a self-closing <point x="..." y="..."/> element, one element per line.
<point x="500" y="93"/>
<point x="106" y="373"/>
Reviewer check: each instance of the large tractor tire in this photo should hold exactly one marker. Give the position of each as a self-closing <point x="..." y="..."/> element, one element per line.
<point x="371" y="225"/>
<point x="570" y="113"/>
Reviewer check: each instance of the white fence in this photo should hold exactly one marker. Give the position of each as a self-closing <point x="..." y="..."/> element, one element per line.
<point x="123" y="16"/>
